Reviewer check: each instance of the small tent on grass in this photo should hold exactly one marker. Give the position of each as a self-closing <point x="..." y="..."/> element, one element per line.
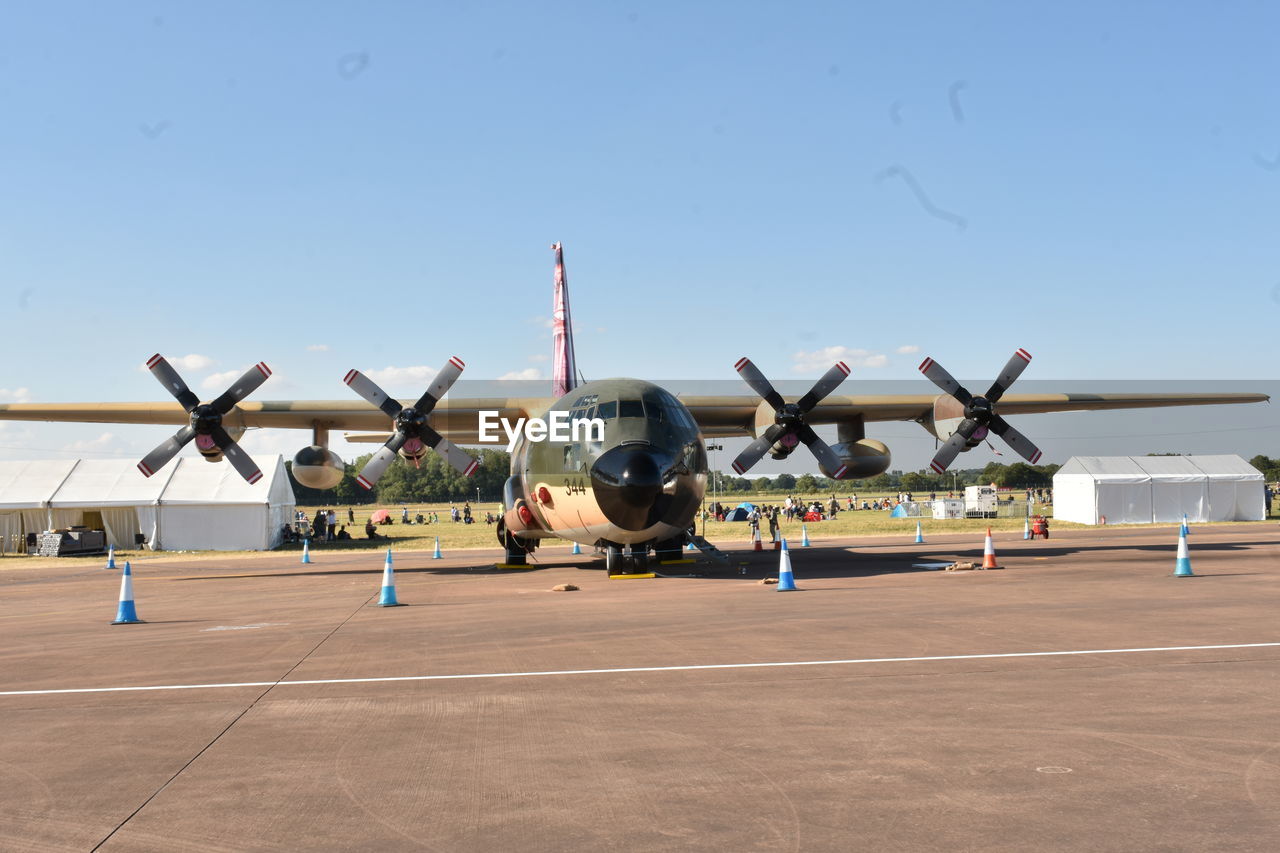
<point x="1157" y="489"/>
<point x="188" y="505"/>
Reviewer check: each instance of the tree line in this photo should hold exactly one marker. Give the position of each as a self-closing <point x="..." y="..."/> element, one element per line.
<point x="432" y="481"/>
<point x="1017" y="475"/>
<point x="436" y="482"/>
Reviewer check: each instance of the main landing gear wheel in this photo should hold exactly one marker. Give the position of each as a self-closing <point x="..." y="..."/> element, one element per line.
<point x="516" y="549"/>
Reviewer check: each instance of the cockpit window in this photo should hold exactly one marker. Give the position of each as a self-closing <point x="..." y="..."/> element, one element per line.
<point x="608" y="411"/>
<point x="630" y="409"/>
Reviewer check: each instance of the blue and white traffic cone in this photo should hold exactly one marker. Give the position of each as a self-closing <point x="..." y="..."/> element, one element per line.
<point x="388" y="598"/>
<point x="577" y="549"/>
<point x="919" y="534"/>
<point x="786" y="580"/>
<point x="1026" y="528"/>
<point x="111" y="557"/>
<point x="1185" y="529"/>
<point x="437" y="555"/>
<point x="1182" y="569"/>
<point x="126" y="614"/>
<point x="804" y="536"/>
<point x="306" y="550"/>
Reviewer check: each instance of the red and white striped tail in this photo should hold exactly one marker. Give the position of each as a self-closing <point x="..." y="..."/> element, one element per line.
<point x="564" y="367"/>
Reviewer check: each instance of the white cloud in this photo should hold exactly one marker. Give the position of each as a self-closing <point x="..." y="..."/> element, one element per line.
<point x="907" y="350"/>
<point x="527" y="373"/>
<point x="17" y="395"/>
<point x="193" y="361"/>
<point x="220" y="381"/>
<point x="412" y="378"/>
<point x="317" y="347"/>
<point x="822" y="359"/>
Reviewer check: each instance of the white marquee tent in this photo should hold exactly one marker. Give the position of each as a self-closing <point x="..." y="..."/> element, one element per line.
<point x="188" y="505"/>
<point x="1155" y="489"/>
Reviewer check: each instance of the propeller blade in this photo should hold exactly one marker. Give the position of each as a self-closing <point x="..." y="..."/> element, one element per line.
<point x="947" y="453"/>
<point x="461" y="461"/>
<point x="938" y="375"/>
<point x="245" y="385"/>
<point x="369" y="390"/>
<point x="827" y="458"/>
<point x="156" y="459"/>
<point x="1012" y="370"/>
<point x="762" y="386"/>
<point x="824" y="386"/>
<point x="444" y="380"/>
<point x="1019" y="442"/>
<point x="386" y="454"/>
<point x="169" y="378"/>
<point x="233" y="454"/>
<point x="757" y="449"/>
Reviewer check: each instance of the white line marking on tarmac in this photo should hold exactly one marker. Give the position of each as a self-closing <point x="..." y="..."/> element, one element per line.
<point x="617" y="670"/>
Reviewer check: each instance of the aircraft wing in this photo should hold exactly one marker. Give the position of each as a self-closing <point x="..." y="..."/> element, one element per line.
<point x="728" y="416"/>
<point x="455" y="420"/>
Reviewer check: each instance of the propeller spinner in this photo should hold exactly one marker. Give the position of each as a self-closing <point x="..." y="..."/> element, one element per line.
<point x="789" y="426"/>
<point x="206" y="419"/>
<point x="980" y="414"/>
<point x="412" y="432"/>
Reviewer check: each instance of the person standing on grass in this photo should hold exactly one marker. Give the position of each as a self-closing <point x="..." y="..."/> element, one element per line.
<point x="332" y="518"/>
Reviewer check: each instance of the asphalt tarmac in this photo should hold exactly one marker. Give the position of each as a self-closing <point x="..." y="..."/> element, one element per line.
<point x="1079" y="698"/>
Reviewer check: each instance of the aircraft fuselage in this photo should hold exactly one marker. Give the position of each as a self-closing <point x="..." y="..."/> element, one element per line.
<point x="641" y="483"/>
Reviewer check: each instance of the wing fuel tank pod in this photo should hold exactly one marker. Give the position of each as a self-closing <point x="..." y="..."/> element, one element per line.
<point x="318" y="467"/>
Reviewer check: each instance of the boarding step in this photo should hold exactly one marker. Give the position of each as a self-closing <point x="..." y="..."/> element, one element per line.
<point x="710" y="550"/>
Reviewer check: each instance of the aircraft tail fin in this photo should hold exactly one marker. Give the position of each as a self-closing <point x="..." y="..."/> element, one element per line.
<point x="564" y="367"/>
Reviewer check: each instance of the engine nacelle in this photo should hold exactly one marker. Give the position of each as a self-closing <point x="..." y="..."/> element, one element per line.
<point x="413" y="449"/>
<point x="765" y="418"/>
<point x="945" y="417"/>
<point x="318" y="467"/>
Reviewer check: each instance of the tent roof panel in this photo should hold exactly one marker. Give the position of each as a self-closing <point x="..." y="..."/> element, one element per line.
<point x="198" y="482"/>
<point x="108" y="482"/>
<point x="24" y="485"/>
<point x="1226" y="467"/>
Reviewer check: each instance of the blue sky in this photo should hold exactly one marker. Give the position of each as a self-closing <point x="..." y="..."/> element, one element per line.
<point x="325" y="186"/>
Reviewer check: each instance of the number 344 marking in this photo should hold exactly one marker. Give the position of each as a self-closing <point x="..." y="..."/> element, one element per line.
<point x="576" y="486"/>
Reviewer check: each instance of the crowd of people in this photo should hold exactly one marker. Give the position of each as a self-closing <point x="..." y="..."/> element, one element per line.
<point x="325" y="527"/>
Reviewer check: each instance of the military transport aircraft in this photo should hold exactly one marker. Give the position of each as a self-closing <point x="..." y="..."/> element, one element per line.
<point x="636" y="484"/>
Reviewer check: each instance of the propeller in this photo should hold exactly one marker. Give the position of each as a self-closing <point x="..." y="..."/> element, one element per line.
<point x="788" y="420"/>
<point x="412" y="433"/>
<point x="206" y="419"/>
<point x="980" y="415"/>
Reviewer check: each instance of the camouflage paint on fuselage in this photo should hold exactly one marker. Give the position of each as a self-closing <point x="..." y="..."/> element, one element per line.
<point x="642" y="483"/>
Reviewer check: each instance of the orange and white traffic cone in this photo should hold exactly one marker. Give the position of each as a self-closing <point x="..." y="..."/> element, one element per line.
<point x="989" y="553"/>
<point x="756" y="544"/>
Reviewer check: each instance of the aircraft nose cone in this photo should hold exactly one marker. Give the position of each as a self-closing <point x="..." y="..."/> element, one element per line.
<point x="628" y="484"/>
